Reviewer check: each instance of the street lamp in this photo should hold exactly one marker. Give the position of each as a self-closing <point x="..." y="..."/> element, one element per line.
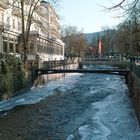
<point x="130" y="35"/>
<point x="130" y="47"/>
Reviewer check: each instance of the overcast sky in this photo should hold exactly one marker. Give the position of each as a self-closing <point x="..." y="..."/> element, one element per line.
<point x="87" y="14"/>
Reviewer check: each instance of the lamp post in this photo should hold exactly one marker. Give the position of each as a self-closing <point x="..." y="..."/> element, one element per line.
<point x="130" y="45"/>
<point x="130" y="41"/>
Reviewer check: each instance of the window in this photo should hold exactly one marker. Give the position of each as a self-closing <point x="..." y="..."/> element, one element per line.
<point x="8" y="20"/>
<point x="11" y="47"/>
<point x="19" y="25"/>
<point x="2" y="17"/>
<point x="13" y="23"/>
<point x="8" y="23"/>
<point x="5" y="46"/>
<point x="32" y="48"/>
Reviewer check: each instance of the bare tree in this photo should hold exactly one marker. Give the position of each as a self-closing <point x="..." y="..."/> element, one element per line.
<point x="130" y="27"/>
<point x="122" y="39"/>
<point x="127" y="7"/>
<point x="74" y="40"/>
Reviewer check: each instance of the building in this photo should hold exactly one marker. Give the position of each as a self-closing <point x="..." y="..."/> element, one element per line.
<point x="44" y="42"/>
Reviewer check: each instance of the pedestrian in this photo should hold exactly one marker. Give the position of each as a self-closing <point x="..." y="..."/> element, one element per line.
<point x="132" y="59"/>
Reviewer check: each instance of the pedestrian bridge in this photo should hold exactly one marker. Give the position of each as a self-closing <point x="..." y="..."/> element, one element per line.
<point x="122" y="72"/>
<point x="116" y="68"/>
<point x="103" y="71"/>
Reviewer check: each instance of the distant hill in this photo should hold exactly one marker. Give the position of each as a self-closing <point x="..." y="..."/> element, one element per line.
<point x="90" y="37"/>
<point x="94" y="37"/>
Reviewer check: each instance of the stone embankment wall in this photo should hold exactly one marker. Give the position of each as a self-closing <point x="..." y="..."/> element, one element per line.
<point x="134" y="93"/>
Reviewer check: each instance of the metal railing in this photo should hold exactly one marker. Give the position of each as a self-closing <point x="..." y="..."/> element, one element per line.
<point x="135" y="69"/>
<point x="59" y="63"/>
<point x="114" y="63"/>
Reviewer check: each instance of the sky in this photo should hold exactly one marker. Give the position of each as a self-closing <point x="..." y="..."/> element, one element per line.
<point x="88" y="15"/>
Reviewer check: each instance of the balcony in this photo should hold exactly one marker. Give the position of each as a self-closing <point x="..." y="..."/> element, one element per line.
<point x="16" y="11"/>
<point x="4" y="3"/>
<point x="7" y="26"/>
<point x="4" y="26"/>
<point x="34" y="33"/>
<point x="42" y="11"/>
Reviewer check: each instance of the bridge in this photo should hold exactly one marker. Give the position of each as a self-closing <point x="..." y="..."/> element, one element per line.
<point x="107" y="71"/>
<point x="122" y="72"/>
<point x="115" y="71"/>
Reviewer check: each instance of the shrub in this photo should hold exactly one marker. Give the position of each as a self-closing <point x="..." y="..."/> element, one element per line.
<point x="12" y="75"/>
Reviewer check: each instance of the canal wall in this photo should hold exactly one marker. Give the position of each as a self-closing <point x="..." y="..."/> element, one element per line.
<point x="134" y="92"/>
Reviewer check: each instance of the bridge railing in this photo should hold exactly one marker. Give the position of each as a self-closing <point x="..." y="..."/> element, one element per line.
<point x="58" y="63"/>
<point x="114" y="63"/>
<point x="99" y="59"/>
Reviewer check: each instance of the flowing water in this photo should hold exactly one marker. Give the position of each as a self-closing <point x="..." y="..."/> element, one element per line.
<point x="77" y="107"/>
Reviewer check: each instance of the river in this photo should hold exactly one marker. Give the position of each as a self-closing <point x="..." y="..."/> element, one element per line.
<point x="77" y="107"/>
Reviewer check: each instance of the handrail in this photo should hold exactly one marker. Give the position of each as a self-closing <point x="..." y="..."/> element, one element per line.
<point x="135" y="69"/>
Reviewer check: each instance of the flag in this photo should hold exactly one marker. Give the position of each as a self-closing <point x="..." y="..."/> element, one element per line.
<point x="100" y="47"/>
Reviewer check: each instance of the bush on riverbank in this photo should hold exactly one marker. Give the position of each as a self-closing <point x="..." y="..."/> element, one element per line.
<point x="12" y="75"/>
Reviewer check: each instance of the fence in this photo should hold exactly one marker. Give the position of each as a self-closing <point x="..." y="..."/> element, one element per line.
<point x="135" y="69"/>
